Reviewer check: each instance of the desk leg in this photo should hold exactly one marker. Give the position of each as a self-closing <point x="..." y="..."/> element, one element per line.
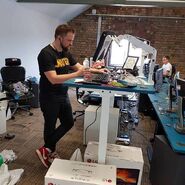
<point x="104" y="120"/>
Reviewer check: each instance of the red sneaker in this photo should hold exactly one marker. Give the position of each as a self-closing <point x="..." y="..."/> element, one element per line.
<point x="53" y="156"/>
<point x="43" y="154"/>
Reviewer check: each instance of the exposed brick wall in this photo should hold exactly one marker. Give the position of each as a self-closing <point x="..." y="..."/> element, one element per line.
<point x="166" y="35"/>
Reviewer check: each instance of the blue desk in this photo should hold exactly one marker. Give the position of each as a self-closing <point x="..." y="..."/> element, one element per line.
<point x="168" y="159"/>
<point x="107" y="92"/>
<point x="149" y="89"/>
<point x="168" y="120"/>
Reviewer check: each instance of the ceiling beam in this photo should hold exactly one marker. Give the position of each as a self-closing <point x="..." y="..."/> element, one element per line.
<point x="159" y="3"/>
<point x="92" y="2"/>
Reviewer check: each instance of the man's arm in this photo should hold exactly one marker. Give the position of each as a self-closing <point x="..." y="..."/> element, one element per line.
<point x="54" y="78"/>
<point x="92" y="69"/>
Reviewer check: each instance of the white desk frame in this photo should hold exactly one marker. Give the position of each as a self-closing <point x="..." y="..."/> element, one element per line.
<point x="107" y="102"/>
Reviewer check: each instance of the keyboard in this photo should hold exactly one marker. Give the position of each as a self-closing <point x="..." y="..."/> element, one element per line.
<point x="100" y="77"/>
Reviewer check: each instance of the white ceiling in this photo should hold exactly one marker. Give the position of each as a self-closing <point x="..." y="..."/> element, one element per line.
<point x="60" y="11"/>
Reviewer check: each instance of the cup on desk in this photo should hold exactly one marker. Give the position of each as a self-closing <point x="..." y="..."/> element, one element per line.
<point x="161" y="109"/>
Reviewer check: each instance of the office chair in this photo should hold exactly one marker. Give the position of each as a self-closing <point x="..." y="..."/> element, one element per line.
<point x="17" y="89"/>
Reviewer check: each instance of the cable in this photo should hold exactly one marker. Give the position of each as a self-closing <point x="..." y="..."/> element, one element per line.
<point x="141" y="135"/>
<point x="93" y="121"/>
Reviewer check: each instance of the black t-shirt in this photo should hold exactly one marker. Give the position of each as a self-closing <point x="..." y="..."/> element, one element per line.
<point x="51" y="60"/>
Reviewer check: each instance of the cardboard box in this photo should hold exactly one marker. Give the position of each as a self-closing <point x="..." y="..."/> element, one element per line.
<point x="127" y="159"/>
<point x="66" y="172"/>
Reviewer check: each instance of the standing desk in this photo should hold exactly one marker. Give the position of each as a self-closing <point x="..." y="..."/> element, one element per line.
<point x="107" y="93"/>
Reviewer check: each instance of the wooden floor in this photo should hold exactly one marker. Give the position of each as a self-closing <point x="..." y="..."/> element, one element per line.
<point x="28" y="137"/>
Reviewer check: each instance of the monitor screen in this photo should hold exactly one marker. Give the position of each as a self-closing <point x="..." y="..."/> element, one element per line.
<point x="117" y="53"/>
<point x="158" y="79"/>
<point x="180" y="86"/>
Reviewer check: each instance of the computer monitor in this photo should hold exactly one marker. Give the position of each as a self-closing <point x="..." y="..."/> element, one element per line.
<point x="103" y="45"/>
<point x="172" y="92"/>
<point x="180" y="126"/>
<point x="180" y="86"/>
<point x="158" y="79"/>
<point x="116" y="55"/>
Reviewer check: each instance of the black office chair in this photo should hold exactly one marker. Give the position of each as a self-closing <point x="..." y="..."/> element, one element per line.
<point x="17" y="89"/>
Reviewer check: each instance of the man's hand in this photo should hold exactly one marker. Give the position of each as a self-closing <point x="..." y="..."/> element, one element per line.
<point x="80" y="72"/>
<point x="103" y="70"/>
<point x="99" y="64"/>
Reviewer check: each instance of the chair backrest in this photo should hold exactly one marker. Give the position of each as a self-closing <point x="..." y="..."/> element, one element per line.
<point x="13" y="72"/>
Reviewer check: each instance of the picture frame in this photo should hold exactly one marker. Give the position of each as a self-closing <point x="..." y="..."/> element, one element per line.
<point x="130" y="62"/>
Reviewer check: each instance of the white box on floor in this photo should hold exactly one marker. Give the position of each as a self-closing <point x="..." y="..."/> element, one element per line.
<point x="92" y="124"/>
<point x="4" y="103"/>
<point x="127" y="159"/>
<point x="66" y="172"/>
<point x="2" y="120"/>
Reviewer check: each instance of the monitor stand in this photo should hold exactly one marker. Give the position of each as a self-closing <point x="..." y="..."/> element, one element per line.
<point x="180" y="126"/>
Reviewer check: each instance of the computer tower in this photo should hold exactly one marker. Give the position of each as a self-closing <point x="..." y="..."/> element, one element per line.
<point x="92" y="124"/>
<point x="167" y="167"/>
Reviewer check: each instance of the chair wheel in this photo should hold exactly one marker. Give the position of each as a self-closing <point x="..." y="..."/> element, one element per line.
<point x="13" y="117"/>
<point x="9" y="136"/>
<point x="31" y="114"/>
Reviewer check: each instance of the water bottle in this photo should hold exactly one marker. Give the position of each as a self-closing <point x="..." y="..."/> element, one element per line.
<point x="86" y="63"/>
<point x="87" y="72"/>
<point x="1" y="160"/>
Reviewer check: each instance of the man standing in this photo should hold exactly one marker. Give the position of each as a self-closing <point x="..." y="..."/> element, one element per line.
<point x="167" y="67"/>
<point x="54" y="61"/>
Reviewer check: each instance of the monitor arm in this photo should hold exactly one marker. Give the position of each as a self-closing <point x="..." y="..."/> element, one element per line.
<point x="106" y="44"/>
<point x="147" y="49"/>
